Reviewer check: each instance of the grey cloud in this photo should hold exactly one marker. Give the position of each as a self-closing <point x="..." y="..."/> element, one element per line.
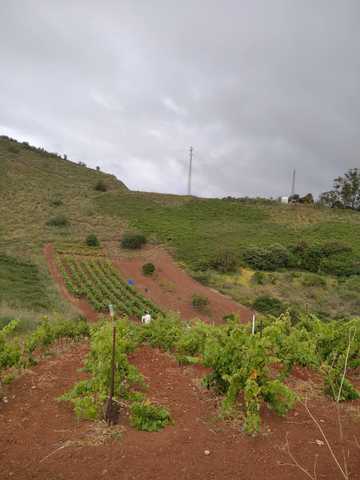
<point x="257" y="87"/>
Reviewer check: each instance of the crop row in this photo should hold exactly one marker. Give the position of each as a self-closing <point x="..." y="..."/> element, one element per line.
<point x="98" y="281"/>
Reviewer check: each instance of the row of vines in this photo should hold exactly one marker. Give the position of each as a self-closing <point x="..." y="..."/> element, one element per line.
<point x="98" y="281"/>
<point x="254" y="366"/>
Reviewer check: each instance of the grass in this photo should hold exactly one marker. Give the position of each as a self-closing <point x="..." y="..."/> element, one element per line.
<point x="194" y="229"/>
<point x="328" y="298"/>
<point x="21" y="284"/>
<point x="197" y="228"/>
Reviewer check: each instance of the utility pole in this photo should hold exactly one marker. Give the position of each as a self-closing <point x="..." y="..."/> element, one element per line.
<point x="293" y="183"/>
<point x="190" y="170"/>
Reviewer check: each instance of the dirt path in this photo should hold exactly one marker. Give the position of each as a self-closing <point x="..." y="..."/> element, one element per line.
<point x="172" y="288"/>
<point x="34" y="428"/>
<point x="79" y="303"/>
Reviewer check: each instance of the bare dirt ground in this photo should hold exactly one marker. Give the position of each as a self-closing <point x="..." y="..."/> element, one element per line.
<point x="172" y="288"/>
<point x="41" y="439"/>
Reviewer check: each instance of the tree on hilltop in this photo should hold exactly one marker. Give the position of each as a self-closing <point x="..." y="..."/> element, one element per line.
<point x="345" y="193"/>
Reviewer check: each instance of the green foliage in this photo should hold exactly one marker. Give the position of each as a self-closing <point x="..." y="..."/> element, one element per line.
<point x="313" y="280"/>
<point x="10" y="352"/>
<point x="88" y="396"/>
<point x="98" y="281"/>
<point x="163" y="332"/>
<point x="133" y="241"/>
<point x="335" y="258"/>
<point x="346" y="192"/>
<point x="199" y="302"/>
<point x="224" y="262"/>
<point x="148" y="417"/>
<point x="148" y="269"/>
<point x="272" y="258"/>
<point x="101" y="186"/>
<point x="16" y="353"/>
<point x="192" y="340"/>
<point x="259" y="278"/>
<point x="279" y="397"/>
<point x="92" y="240"/>
<point x="21" y="284"/>
<point x="58" y="221"/>
<point x="269" y="305"/>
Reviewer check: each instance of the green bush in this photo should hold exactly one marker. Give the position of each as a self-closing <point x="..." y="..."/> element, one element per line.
<point x="92" y="240"/>
<point x="199" y="302"/>
<point x="313" y="280"/>
<point x="269" y="305"/>
<point x="101" y="186"/>
<point x="148" y="269"/>
<point x="133" y="241"/>
<point x="58" y="221"/>
<point x="258" y="278"/>
<point x="271" y="258"/>
<point x="224" y="262"/>
<point x="148" y="417"/>
<point x="342" y="265"/>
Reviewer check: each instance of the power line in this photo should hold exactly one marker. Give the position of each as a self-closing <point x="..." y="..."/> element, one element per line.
<point x="190" y="169"/>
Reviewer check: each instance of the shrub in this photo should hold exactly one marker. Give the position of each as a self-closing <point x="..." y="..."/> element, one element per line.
<point x="58" y="221"/>
<point x="92" y="240"/>
<point x="269" y="305"/>
<point x="271" y="258"/>
<point x="101" y="186"/>
<point x="258" y="278"/>
<point x="133" y="241"/>
<point x="148" y="269"/>
<point x="199" y="302"/>
<point x="148" y="417"/>
<point x="224" y="262"/>
<point x="56" y="202"/>
<point x="342" y="265"/>
<point x="313" y="280"/>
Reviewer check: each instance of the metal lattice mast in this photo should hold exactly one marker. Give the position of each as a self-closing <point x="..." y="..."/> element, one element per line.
<point x="190" y="170"/>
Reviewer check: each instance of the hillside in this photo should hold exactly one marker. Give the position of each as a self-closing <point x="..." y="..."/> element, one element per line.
<point x="36" y="186"/>
<point x="204" y="376"/>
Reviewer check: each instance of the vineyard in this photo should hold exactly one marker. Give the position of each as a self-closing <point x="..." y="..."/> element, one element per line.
<point x="98" y="281"/>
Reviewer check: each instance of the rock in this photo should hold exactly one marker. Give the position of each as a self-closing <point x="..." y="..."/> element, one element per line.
<point x="320" y="443"/>
<point x="207" y="452"/>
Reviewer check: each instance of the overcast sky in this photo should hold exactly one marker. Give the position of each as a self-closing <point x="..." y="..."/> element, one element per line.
<point x="258" y="87"/>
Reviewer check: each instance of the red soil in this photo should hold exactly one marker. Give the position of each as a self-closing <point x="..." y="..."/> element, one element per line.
<point x="40" y="438"/>
<point x="172" y="288"/>
<point x="79" y="303"/>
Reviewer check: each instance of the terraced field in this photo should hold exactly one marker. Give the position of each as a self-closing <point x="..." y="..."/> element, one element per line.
<point x="95" y="279"/>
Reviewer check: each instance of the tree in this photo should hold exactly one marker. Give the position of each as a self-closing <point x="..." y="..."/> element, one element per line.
<point x="346" y="192"/>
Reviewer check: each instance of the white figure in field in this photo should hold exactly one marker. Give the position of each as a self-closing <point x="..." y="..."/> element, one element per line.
<point x="146" y="319"/>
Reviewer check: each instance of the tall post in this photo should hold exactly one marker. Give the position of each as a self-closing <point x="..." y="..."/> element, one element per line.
<point x="293" y="183"/>
<point x="190" y="170"/>
<point x="253" y="324"/>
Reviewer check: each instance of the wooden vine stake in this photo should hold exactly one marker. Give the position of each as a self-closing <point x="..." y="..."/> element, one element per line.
<point x="111" y="408"/>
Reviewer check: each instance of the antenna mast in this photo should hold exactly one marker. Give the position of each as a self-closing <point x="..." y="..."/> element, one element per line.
<point x="293" y="183"/>
<point x="190" y="170"/>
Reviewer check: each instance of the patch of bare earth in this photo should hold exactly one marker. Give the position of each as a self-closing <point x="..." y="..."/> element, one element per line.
<point x="41" y="439"/>
<point x="172" y="288"/>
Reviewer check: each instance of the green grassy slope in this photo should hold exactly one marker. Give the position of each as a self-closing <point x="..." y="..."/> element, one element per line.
<point x="199" y="227"/>
<point x="30" y="181"/>
<point x="36" y="186"/>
